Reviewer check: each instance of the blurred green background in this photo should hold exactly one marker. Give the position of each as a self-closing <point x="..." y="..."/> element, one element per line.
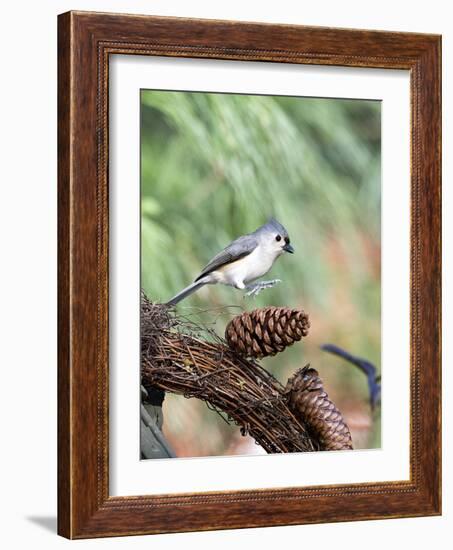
<point x="216" y="166"/>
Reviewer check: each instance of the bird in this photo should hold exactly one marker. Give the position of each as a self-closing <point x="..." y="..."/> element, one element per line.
<point x="244" y="260"/>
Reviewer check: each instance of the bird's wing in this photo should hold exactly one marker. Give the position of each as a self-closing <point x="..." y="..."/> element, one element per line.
<point x="238" y="249"/>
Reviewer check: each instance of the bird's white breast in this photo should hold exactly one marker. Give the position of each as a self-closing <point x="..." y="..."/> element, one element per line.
<point x="247" y="269"/>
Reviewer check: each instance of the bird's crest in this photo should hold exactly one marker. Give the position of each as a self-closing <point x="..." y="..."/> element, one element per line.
<point x="274" y="225"/>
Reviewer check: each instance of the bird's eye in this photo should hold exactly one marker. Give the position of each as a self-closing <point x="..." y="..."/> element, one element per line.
<point x="278" y="238"/>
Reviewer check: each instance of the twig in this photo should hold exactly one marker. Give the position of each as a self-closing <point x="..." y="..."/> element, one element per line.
<point x="176" y="358"/>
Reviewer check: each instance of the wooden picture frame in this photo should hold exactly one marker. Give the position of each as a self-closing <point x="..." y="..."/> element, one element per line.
<point x="85" y="42"/>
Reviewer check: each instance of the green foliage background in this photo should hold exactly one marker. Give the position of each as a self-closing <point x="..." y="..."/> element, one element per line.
<point x="215" y="166"/>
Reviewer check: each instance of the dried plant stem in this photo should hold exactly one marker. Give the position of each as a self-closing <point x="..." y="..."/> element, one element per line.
<point x="240" y="390"/>
<point x="176" y="357"/>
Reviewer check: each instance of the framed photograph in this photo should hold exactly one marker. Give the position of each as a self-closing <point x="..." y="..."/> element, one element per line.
<point x="249" y="275"/>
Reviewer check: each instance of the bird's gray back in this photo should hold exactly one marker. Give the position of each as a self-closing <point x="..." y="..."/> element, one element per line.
<point x="239" y="248"/>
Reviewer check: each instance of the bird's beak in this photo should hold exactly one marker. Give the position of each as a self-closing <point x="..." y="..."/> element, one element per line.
<point x="288" y="248"/>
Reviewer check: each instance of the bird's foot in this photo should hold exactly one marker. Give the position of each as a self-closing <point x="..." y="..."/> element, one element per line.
<point x="255" y="289"/>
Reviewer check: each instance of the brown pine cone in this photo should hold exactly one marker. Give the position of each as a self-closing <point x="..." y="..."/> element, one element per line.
<point x="266" y="331"/>
<point x="308" y="401"/>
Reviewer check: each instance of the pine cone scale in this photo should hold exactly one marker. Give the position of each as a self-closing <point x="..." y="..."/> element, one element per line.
<point x="308" y="400"/>
<point x="266" y="331"/>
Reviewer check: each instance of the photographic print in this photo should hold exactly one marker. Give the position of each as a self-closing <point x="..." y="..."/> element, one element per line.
<point x="261" y="327"/>
<point x="240" y="251"/>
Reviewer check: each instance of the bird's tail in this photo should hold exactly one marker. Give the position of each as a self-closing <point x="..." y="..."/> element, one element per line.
<point x="185" y="292"/>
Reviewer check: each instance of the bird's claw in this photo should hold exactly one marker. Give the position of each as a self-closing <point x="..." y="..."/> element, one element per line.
<point x="258" y="287"/>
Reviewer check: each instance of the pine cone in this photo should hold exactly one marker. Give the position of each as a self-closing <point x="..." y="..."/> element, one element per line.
<point x="266" y="331"/>
<point x="308" y="400"/>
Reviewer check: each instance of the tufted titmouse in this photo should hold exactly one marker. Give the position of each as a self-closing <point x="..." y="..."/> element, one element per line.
<point x="247" y="258"/>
